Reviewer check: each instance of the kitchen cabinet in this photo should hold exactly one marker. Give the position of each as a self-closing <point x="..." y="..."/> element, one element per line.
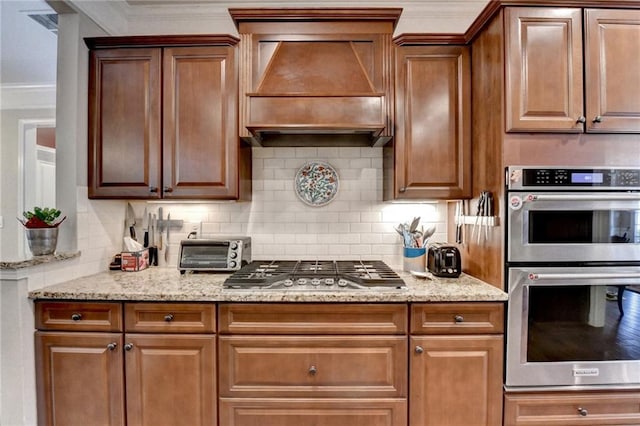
<point x="326" y="364"/>
<point x="572" y="408"/>
<point x="168" y="377"/>
<point x="555" y="84"/>
<point x="430" y="157"/>
<point x="163" y="119"/>
<point x="455" y="365"/>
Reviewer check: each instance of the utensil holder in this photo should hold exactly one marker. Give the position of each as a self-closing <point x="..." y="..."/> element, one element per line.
<point x="414" y="259"/>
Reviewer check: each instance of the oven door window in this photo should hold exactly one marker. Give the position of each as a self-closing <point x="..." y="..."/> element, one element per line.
<point x="584" y="226"/>
<point x="583" y="323"/>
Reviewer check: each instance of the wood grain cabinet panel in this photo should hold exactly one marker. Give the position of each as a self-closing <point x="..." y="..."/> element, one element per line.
<point x="456" y="380"/>
<point x="163" y="119"/>
<point x="457" y="318"/>
<point x="170" y="317"/>
<point x="318" y="412"/>
<point x="554" y="83"/>
<point x="316" y="366"/>
<point x="170" y="379"/>
<point x="78" y="316"/>
<point x="79" y="378"/>
<point x="431" y="153"/>
<point x="590" y="408"/>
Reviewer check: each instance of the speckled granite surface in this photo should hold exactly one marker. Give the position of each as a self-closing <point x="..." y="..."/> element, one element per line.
<point x="164" y="284"/>
<point x="38" y="260"/>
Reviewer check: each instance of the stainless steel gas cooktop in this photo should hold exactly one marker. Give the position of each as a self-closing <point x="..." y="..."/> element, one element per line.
<point x="315" y="275"/>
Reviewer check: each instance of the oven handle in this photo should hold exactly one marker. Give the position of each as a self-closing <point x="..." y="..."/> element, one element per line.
<point x="635" y="196"/>
<point x="534" y="277"/>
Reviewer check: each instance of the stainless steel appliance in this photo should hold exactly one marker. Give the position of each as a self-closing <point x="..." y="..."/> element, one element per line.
<point x="572" y="251"/>
<point x="214" y="255"/>
<point x="315" y="275"/>
<point x="443" y="260"/>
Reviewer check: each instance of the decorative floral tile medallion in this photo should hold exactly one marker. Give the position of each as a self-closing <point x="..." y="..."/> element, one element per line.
<point x="316" y="183"/>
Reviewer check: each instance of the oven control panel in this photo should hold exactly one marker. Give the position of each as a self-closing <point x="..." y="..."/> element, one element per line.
<point x="573" y="178"/>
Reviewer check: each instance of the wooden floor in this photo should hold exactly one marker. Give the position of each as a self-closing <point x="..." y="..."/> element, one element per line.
<point x="619" y="339"/>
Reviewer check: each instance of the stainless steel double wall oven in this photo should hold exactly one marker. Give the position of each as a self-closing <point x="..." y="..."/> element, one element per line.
<point x="573" y="271"/>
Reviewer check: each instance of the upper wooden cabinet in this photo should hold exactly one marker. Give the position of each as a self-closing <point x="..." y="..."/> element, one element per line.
<point x="430" y="157"/>
<point x="555" y="84"/>
<point x="163" y="119"/>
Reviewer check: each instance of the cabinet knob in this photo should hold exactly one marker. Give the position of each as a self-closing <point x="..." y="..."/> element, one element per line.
<point x="597" y="119"/>
<point x="403" y="189"/>
<point x="419" y="349"/>
<point x="112" y="346"/>
<point x="76" y="316"/>
<point x="168" y="317"/>
<point x="167" y="189"/>
<point x="458" y="318"/>
<point x="581" y="119"/>
<point x="153" y="189"/>
<point x="582" y="411"/>
<point x="128" y="346"/>
<point x="313" y="370"/>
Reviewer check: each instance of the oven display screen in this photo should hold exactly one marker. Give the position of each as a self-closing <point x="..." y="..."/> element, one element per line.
<point x="587" y="177"/>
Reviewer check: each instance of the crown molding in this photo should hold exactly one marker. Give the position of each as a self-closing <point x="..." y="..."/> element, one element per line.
<point x="111" y="16"/>
<point x="27" y="96"/>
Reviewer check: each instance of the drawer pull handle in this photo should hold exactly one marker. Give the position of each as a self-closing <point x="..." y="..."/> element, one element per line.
<point x="128" y="346"/>
<point x="112" y="346"/>
<point x="168" y="317"/>
<point x="76" y="316"/>
<point x="419" y="349"/>
<point x="458" y="318"/>
<point x="581" y="119"/>
<point x="597" y="119"/>
<point x="313" y="370"/>
<point x="582" y="411"/>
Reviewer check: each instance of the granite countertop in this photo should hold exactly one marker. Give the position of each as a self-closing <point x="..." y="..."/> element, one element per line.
<point x="38" y="260"/>
<point x="165" y="284"/>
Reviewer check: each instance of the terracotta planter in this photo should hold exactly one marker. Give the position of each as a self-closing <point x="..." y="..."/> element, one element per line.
<point x="42" y="241"/>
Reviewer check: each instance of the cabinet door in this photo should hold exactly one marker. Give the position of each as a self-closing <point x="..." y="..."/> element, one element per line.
<point x="455" y="380"/>
<point x="79" y="378"/>
<point x="612" y="70"/>
<point x="543" y="70"/>
<point x="171" y="379"/>
<point x="433" y="134"/>
<point x="124" y="123"/>
<point x="200" y="123"/>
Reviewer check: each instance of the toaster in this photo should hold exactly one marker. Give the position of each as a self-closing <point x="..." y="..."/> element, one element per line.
<point x="443" y="260"/>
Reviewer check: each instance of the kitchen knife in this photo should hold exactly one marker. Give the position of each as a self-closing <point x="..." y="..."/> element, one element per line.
<point x="131" y="221"/>
<point x="145" y="227"/>
<point x="153" y="249"/>
<point x="166" y="248"/>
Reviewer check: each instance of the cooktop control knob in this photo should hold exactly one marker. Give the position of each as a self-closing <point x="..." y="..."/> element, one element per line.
<point x="302" y="281"/>
<point x="315" y="281"/>
<point x="342" y="283"/>
<point x="287" y="283"/>
<point x="329" y="281"/>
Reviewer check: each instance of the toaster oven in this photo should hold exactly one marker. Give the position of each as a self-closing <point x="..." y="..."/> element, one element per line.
<point x="214" y="255"/>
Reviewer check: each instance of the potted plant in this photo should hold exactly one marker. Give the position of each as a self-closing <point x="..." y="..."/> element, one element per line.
<point x="42" y="229"/>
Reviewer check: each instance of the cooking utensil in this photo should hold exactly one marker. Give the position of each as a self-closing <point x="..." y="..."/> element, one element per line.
<point x="153" y="248"/>
<point x="131" y="221"/>
<point x="166" y="249"/>
<point x="145" y="228"/>
<point x="427" y="234"/>
<point x="459" y="207"/>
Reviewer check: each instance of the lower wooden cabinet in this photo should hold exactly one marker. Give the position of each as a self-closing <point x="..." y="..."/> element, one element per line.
<point x="456" y="364"/>
<point x="83" y="376"/>
<point x="79" y="378"/>
<point x="597" y="408"/>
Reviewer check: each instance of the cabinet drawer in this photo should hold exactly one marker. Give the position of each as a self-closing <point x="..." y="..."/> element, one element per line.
<point x="78" y="316"/>
<point x="457" y="318"/>
<point x="170" y="317"/>
<point x="313" y="366"/>
<point x="327" y="412"/>
<point x="255" y="318"/>
<point x="567" y="409"/>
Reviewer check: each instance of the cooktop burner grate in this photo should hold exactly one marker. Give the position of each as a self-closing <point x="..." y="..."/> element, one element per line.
<point x="315" y="275"/>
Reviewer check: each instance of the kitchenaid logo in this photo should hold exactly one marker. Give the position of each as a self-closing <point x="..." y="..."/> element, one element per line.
<point x="586" y="372"/>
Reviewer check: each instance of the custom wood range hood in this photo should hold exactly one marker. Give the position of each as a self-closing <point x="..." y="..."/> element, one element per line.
<point x="316" y="76"/>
